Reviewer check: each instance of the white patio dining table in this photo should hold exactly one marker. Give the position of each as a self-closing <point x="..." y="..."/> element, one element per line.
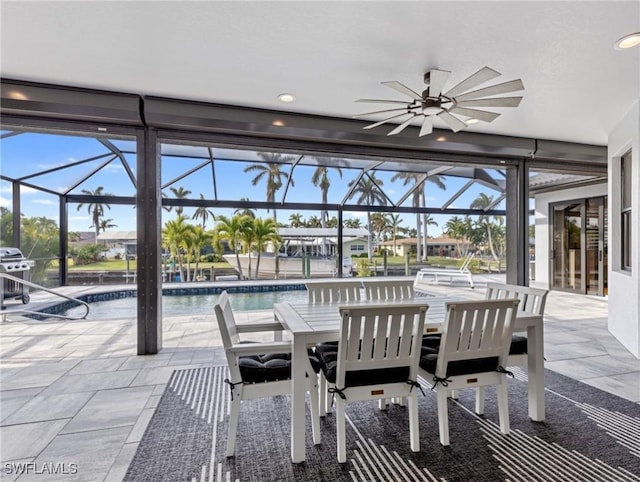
<point x="309" y="324"/>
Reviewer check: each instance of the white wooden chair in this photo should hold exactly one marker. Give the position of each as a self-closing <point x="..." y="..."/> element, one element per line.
<point x="422" y="276"/>
<point x="473" y="353"/>
<point x="251" y="376"/>
<point x="326" y="292"/>
<point x="389" y="290"/>
<point x="377" y="358"/>
<point x="331" y="292"/>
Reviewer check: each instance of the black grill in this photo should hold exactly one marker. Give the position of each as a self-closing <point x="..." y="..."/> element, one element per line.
<point x="13" y="263"/>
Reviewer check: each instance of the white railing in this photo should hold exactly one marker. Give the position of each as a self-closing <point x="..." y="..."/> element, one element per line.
<point x="43" y="288"/>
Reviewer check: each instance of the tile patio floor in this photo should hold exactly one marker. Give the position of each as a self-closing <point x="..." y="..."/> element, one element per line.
<point x="75" y="391"/>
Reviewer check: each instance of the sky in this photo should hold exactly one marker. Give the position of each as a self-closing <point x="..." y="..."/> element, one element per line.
<point x="29" y="153"/>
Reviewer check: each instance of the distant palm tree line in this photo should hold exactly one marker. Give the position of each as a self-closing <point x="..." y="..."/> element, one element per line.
<point x="244" y="231"/>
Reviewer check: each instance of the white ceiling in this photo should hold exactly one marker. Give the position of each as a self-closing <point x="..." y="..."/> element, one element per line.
<point x="577" y="87"/>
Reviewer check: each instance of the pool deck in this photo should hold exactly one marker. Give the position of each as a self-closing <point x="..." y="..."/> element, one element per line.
<point x="76" y="392"/>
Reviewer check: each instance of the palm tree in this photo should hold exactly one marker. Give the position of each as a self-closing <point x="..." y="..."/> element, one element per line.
<point x="483" y="201"/>
<point x="419" y="200"/>
<point x="174" y="235"/>
<point x="95" y="209"/>
<point x="245" y="211"/>
<point x="232" y="229"/>
<point x="394" y="226"/>
<point x="264" y="231"/>
<point x="313" y="222"/>
<point x="272" y="173"/>
<point x="180" y="193"/>
<point x="204" y="213"/>
<point x="352" y="223"/>
<point x="427" y="220"/>
<point x="369" y="193"/>
<point x="198" y="239"/>
<point x="320" y="179"/>
<point x="107" y="224"/>
<point x="455" y="228"/>
<point x="295" y="220"/>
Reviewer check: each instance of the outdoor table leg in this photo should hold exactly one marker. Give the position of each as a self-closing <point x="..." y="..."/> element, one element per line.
<point x="535" y="367"/>
<point x="298" y="381"/>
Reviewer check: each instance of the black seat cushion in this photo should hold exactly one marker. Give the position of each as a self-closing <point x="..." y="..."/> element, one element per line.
<point x="265" y="368"/>
<point x="428" y="362"/>
<point x="327" y="354"/>
<point x="270" y="367"/>
<point x="518" y="344"/>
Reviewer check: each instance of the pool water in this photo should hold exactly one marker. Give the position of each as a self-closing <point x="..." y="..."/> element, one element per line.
<point x="190" y="304"/>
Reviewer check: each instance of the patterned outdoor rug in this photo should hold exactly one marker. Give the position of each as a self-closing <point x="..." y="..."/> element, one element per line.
<point x="589" y="435"/>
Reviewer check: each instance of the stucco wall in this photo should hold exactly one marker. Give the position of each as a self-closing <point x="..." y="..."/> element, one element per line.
<point x="543" y="231"/>
<point x="624" y="286"/>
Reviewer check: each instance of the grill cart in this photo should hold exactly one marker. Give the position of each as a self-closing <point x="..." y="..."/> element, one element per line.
<point x="13" y="262"/>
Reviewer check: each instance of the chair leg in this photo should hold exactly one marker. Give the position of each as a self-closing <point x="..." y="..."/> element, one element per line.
<point x="414" y="427"/>
<point x="443" y="416"/>
<point x="480" y="400"/>
<point x="341" y="431"/>
<point x="322" y="394"/>
<point x="315" y="412"/>
<point x="233" y="425"/>
<point x="503" y="407"/>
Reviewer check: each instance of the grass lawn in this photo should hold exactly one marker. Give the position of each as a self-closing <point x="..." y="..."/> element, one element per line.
<point x="121" y="264"/>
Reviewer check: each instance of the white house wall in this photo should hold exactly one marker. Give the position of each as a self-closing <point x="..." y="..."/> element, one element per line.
<point x="543" y="229"/>
<point x="624" y="287"/>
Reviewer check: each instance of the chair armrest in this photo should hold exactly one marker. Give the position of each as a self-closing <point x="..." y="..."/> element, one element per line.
<point x="260" y="326"/>
<point x="246" y="349"/>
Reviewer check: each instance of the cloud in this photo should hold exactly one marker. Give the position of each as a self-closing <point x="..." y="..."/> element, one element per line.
<point x="47" y="202"/>
<point x="357" y="214"/>
<point x="79" y="218"/>
<point x="6" y="188"/>
<point x="4" y="203"/>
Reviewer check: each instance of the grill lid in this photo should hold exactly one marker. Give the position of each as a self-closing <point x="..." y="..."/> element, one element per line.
<point x="10" y="254"/>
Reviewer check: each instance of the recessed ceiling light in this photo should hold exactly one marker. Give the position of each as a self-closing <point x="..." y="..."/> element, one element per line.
<point x="441" y="138"/>
<point x="628" y="41"/>
<point x="278" y="123"/>
<point x="287" y="97"/>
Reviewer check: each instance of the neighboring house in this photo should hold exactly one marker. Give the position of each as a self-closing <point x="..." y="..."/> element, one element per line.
<point x="81" y="238"/>
<point x="118" y="243"/>
<point x="440" y="246"/>
<point x="323" y="241"/>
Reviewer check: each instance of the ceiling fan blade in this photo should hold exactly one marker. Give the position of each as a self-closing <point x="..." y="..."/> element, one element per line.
<point x="399" y="129"/>
<point x="480" y="77"/>
<point x="427" y="126"/>
<point x="482" y="115"/>
<point x="490" y="102"/>
<point x="504" y="88"/>
<point x="437" y="79"/>
<point x="371" y="126"/>
<point x="403" y="89"/>
<point x="452" y="121"/>
<point x="381" y="101"/>
<point x="386" y="111"/>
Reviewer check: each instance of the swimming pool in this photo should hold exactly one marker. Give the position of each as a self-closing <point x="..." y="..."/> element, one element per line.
<point x="199" y="304"/>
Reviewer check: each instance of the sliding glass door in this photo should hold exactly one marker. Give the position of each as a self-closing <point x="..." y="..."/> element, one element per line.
<point x="579" y="254"/>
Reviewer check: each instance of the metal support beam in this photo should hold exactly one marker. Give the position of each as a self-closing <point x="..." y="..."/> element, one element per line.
<point x="149" y="220"/>
<point x="16" y="213"/>
<point x="64" y="240"/>
<point x="517" y="224"/>
<point x="340" y="246"/>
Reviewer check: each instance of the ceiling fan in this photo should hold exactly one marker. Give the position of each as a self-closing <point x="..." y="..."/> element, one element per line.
<point x="459" y="100"/>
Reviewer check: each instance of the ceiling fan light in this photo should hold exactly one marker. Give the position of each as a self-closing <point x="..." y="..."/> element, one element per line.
<point x="628" y="41"/>
<point x="472" y="121"/>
